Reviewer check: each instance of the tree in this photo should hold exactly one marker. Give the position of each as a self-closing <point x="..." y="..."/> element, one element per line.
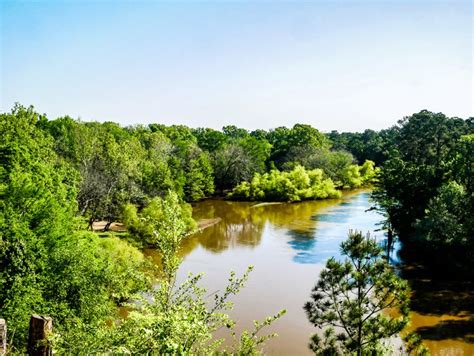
<point x="192" y="171"/>
<point x="155" y="170"/>
<point x="234" y="132"/>
<point x="283" y="139"/>
<point x="464" y="162"/>
<point x="232" y="165"/>
<point x="36" y="208"/>
<point x="446" y="229"/>
<point x="352" y="296"/>
<point x="142" y="225"/>
<point x="208" y="139"/>
<point x="425" y="187"/>
<point x="109" y="161"/>
<point x="368" y="145"/>
<point x="386" y="207"/>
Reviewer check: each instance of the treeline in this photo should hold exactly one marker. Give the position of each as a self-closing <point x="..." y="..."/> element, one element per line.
<point x="121" y="165"/>
<point x="426" y="189"/>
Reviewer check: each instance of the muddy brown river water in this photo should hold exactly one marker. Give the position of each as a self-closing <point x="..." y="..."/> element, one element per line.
<point x="288" y="245"/>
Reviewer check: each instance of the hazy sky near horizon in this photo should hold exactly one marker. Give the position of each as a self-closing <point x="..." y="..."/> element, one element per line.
<point x="344" y="65"/>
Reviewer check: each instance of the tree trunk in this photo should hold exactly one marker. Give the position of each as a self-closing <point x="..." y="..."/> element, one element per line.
<point x="359" y="300"/>
<point x="40" y="328"/>
<point x="107" y="226"/>
<point x="389" y="243"/>
<point x="3" y="337"/>
<point x="91" y="224"/>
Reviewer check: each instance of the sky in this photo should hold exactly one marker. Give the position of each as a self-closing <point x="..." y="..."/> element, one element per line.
<point x="337" y="65"/>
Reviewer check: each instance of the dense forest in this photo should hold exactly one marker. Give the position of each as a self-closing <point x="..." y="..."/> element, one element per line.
<point x="58" y="177"/>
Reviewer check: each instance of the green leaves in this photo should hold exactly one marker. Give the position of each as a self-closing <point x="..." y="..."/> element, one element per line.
<point x="353" y="296"/>
<point x="44" y="266"/>
<point x="296" y="185"/>
<point x="157" y="217"/>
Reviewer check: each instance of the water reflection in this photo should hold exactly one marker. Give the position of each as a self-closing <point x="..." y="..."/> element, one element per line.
<point x="321" y="242"/>
<point x="304" y="243"/>
<point x="338" y="216"/>
<point x="313" y="229"/>
<point x="238" y="226"/>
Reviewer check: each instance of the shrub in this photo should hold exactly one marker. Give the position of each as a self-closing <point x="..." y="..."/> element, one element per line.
<point x="295" y="185"/>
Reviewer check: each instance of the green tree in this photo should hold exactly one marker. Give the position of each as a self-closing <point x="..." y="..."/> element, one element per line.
<point x="239" y="160"/>
<point x="208" y="139"/>
<point x="283" y="140"/>
<point x="368" y="145"/>
<point x="156" y="175"/>
<point x="109" y="160"/>
<point x="352" y="296"/>
<point x="446" y="229"/>
<point x="234" y="132"/>
<point x="142" y="225"/>
<point x="36" y="207"/>
<point x="422" y="184"/>
<point x="192" y="171"/>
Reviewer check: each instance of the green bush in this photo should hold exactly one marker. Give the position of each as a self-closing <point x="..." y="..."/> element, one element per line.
<point x="141" y="225"/>
<point x="295" y="185"/>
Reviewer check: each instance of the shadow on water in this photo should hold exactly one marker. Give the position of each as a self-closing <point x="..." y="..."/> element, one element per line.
<point x="442" y="310"/>
<point x="449" y="329"/>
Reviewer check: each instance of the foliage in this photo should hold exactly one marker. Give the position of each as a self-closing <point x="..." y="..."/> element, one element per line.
<point x="88" y="276"/>
<point x="132" y="165"/>
<point x="295" y="185"/>
<point x="445" y="217"/>
<point x="108" y="160"/>
<point x="337" y="165"/>
<point x="208" y="139"/>
<point x="239" y="160"/>
<point x="420" y="162"/>
<point x="156" y="175"/>
<point x="368" y="145"/>
<point x="142" y="225"/>
<point x="414" y="345"/>
<point x="425" y="186"/>
<point x="283" y="139"/>
<point x="352" y="296"/>
<point x="44" y="266"/>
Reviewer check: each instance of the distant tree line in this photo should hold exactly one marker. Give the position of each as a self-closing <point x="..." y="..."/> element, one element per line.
<point x="122" y="165"/>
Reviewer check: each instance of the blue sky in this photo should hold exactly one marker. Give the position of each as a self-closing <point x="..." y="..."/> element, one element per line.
<point x="345" y="65"/>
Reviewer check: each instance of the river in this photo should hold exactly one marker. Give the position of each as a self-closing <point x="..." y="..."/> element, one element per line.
<point x="288" y="245"/>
